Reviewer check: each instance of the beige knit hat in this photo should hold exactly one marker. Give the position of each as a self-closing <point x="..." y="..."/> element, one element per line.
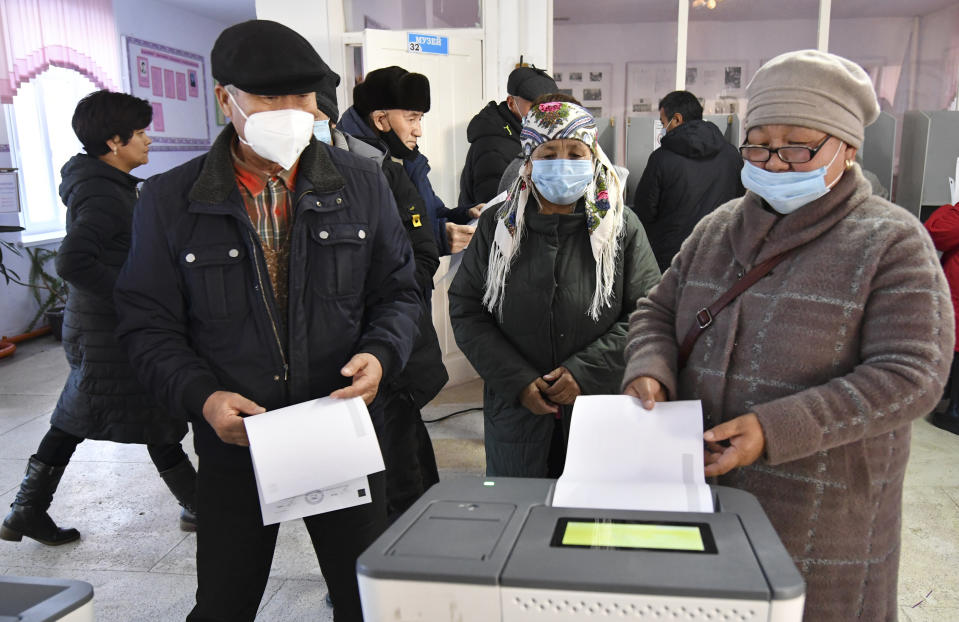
<point x="813" y="89"/>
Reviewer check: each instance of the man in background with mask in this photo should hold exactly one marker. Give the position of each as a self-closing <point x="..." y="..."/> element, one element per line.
<point x="389" y="104"/>
<point x="694" y="171"/>
<point x="405" y="442"/>
<point x="494" y="134"/>
<point x="271" y="271"/>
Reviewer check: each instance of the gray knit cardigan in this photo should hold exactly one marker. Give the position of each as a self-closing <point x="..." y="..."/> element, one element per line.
<point x="836" y="350"/>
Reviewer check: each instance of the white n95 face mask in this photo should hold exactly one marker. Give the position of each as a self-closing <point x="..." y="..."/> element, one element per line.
<point x="278" y="135"/>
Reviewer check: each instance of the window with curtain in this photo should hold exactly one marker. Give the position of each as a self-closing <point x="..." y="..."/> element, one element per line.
<point x="43" y="140"/>
<point x="52" y="53"/>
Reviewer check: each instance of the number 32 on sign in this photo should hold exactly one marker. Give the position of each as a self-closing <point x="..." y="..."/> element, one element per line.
<point x="427" y="44"/>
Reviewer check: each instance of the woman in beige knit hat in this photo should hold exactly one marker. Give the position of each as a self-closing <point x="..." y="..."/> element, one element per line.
<point x="811" y="376"/>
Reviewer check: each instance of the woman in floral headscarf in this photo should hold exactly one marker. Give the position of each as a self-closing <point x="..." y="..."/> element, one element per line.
<point x="540" y="303"/>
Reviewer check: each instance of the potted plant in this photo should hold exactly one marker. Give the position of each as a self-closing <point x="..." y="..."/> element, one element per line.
<point x="49" y="290"/>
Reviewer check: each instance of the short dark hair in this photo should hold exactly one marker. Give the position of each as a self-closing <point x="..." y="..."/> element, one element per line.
<point x="545" y="98"/>
<point x="683" y="102"/>
<point x="104" y="114"/>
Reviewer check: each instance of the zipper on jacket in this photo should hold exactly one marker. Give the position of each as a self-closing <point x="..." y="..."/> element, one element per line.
<point x="266" y="303"/>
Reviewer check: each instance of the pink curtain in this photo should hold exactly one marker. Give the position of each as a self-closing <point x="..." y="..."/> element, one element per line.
<point x="75" y="34"/>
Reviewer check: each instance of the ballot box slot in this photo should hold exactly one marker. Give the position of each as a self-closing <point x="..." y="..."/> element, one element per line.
<point x="468" y="530"/>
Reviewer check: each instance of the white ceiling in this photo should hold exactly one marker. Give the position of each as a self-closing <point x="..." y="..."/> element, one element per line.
<point x="634" y="11"/>
<point x="225" y="11"/>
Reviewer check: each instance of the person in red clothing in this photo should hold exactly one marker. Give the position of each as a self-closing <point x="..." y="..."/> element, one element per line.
<point x="943" y="226"/>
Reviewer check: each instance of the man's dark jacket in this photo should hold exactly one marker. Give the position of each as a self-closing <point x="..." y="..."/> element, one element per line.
<point x="694" y="171"/>
<point x="425" y="374"/>
<point x="494" y="142"/>
<point x="102" y="398"/>
<point x="418" y="169"/>
<point x="196" y="306"/>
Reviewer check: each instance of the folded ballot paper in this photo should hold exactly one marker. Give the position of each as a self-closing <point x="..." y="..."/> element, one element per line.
<point x="313" y="457"/>
<point x="624" y="457"/>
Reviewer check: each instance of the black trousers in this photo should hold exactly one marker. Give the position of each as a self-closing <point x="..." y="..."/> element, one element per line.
<point x="407" y="454"/>
<point x="234" y="549"/>
<point x="57" y="447"/>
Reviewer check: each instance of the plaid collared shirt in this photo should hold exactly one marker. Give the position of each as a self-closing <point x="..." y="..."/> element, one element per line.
<point x="269" y="205"/>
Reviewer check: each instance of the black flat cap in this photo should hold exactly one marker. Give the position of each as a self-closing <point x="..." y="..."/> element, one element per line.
<point x="392" y="88"/>
<point x="267" y="58"/>
<point x="529" y="83"/>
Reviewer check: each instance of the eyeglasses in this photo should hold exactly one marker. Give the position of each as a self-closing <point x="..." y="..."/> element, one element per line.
<point x="790" y="154"/>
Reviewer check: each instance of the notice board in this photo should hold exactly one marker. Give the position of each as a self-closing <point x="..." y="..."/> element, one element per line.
<point x="174" y="82"/>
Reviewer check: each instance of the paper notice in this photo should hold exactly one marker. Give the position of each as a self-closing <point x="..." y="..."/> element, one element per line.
<point x="953" y="190"/>
<point x="621" y="456"/>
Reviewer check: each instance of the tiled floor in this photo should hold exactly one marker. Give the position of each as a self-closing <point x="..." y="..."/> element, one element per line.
<point x="142" y="567"/>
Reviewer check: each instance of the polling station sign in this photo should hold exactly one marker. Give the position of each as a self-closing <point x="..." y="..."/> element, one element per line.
<point x="418" y="43"/>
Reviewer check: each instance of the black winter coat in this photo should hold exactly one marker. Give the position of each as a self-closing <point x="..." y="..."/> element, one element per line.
<point x="494" y="141"/>
<point x="102" y="399"/>
<point x="197" y="310"/>
<point x="425" y="374"/>
<point x="694" y="171"/>
<point x="545" y="325"/>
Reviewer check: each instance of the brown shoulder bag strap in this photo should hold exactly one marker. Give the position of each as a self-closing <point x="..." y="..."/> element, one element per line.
<point x="705" y="316"/>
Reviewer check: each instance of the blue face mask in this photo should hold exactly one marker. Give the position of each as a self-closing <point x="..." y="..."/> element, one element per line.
<point x="788" y="191"/>
<point x="321" y="131"/>
<point x="562" y="182"/>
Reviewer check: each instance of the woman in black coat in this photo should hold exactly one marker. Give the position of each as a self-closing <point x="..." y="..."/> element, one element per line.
<point x="102" y="399"/>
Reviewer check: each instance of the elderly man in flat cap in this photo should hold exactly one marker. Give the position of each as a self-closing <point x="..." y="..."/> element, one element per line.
<point x="270" y="271"/>
<point x="494" y="134"/>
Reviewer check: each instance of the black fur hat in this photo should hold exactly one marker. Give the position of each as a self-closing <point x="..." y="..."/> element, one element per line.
<point x="392" y="88"/>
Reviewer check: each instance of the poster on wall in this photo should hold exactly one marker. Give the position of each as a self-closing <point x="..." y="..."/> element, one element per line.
<point x="590" y="83"/>
<point x="719" y="85"/>
<point x="174" y="82"/>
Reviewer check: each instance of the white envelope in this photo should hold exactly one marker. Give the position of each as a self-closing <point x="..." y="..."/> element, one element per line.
<point x="312" y="446"/>
<point x="622" y="456"/>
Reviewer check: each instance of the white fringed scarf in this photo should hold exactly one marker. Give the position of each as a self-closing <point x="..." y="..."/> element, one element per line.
<point x="603" y="199"/>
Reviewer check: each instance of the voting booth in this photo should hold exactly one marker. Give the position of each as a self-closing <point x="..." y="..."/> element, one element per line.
<point x="491" y="549"/>
<point x="631" y="529"/>
<point x="927" y="159"/>
<point x="879" y="148"/>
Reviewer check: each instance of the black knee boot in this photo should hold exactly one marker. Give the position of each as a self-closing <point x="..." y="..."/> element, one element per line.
<point x="28" y="516"/>
<point x="181" y="480"/>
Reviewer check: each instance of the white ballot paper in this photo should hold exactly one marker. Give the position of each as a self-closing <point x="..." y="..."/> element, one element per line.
<point x="623" y="457"/>
<point x="953" y="188"/>
<point x="313" y="457"/>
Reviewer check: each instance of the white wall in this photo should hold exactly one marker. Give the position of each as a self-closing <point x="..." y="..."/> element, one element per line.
<point x="168" y="25"/>
<point x="862" y="40"/>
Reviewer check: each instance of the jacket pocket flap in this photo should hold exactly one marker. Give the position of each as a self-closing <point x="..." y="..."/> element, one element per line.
<point x="339" y="233"/>
<point x="212" y="255"/>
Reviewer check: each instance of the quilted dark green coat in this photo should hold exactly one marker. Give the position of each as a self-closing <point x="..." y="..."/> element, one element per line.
<point x="545" y="325"/>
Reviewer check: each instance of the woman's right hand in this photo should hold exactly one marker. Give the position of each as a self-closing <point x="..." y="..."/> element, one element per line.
<point x="533" y="400"/>
<point x="647" y="390"/>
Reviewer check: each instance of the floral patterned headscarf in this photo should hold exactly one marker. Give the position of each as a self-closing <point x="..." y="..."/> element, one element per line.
<point x="603" y="201"/>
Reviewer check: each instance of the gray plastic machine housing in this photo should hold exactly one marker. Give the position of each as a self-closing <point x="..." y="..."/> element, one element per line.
<point x="484" y="549"/>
